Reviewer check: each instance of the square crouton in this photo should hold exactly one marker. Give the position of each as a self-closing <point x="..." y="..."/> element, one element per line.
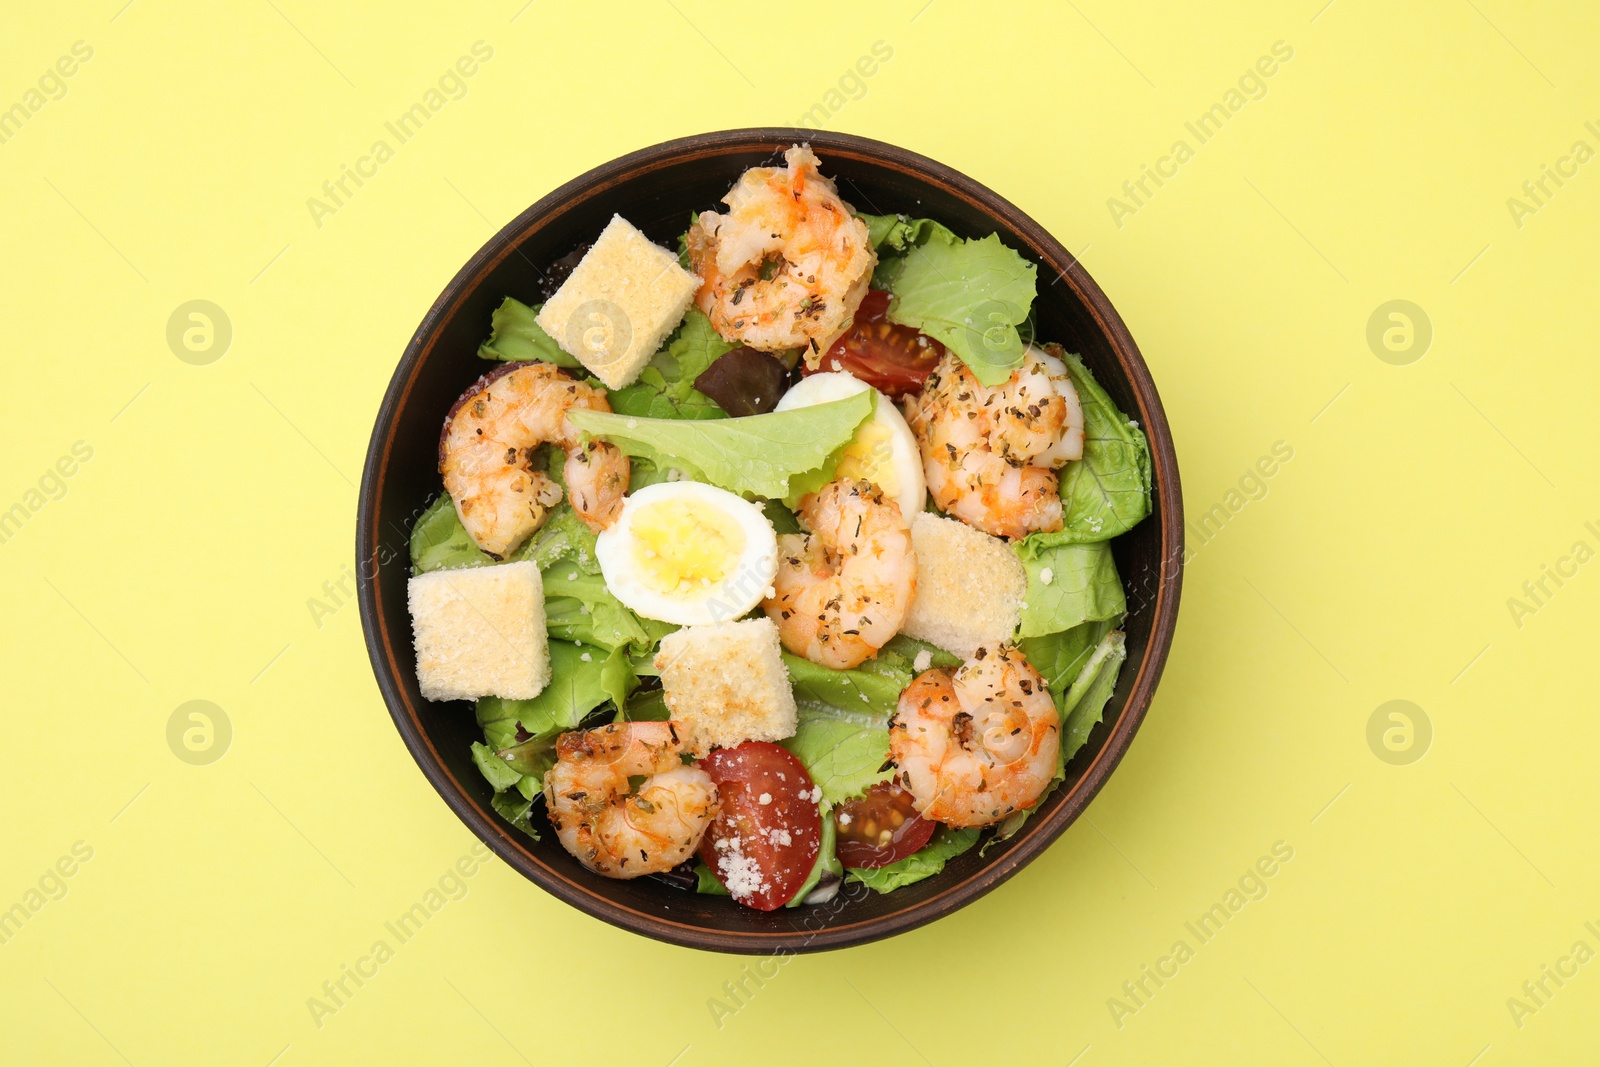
<point x="727" y="683"/>
<point x="970" y="587"/>
<point x="479" y="632"/>
<point x="619" y="304"/>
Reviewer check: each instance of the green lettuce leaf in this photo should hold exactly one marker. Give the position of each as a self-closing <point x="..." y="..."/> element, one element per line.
<point x="501" y="775"/>
<point x="1085" y="703"/>
<point x="756" y="454"/>
<point x="563" y="539"/>
<point x="602" y="676"/>
<point x="579" y="607"/>
<point x="707" y="882"/>
<point x="842" y="729"/>
<point x="895" y="232"/>
<point x="665" y="389"/>
<point x="1059" y="658"/>
<point x="683" y="244"/>
<point x="515" y="336"/>
<point x="843" y="750"/>
<point x="827" y="858"/>
<point x="648" y="705"/>
<point x="440" y="543"/>
<point x="1067" y="584"/>
<point x="945" y="845"/>
<point x="874" y="686"/>
<point x="576" y="688"/>
<point x="783" y="520"/>
<point x="970" y="295"/>
<point x="581" y="679"/>
<point x="497" y="718"/>
<point x="618" y="678"/>
<point x="515" y="809"/>
<point x="1106" y="492"/>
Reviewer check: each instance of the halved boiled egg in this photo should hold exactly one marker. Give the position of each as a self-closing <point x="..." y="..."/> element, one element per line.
<point x="884" y="452"/>
<point x="688" y="553"/>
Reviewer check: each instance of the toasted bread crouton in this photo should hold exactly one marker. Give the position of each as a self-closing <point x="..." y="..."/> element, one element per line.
<point x="480" y="632"/>
<point x="726" y="683"/>
<point x="970" y="587"/>
<point x="619" y="304"/>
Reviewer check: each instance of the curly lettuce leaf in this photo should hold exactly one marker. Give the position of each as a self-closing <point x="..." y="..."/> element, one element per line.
<point x="895" y="232"/>
<point x="515" y="336"/>
<point x="665" y="389"/>
<point x="1067" y="584"/>
<point x="928" y="861"/>
<point x="1107" y="492"/>
<point x="579" y="607"/>
<point x="970" y="295"/>
<point x="757" y="454"/>
<point x="564" y="538"/>
<point x="440" y="543"/>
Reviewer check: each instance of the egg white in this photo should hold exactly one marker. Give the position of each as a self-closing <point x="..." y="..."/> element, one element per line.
<point x="905" y="459"/>
<point x="746" y="577"/>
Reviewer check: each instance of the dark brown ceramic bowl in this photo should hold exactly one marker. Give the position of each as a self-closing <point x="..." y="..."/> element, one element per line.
<point x="657" y="189"/>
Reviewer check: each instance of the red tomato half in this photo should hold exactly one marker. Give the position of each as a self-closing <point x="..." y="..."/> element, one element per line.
<point x="891" y="358"/>
<point x="880" y="827"/>
<point x="764" y="842"/>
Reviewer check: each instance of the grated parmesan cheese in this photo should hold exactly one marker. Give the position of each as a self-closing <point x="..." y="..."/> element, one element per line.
<point x="740" y="874"/>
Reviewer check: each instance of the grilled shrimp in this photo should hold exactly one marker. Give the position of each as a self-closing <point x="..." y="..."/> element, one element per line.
<point x="618" y="831"/>
<point x="843" y="590"/>
<point x="787" y="265"/>
<point x="975" y="745"/>
<point x="488" y="448"/>
<point x="990" y="454"/>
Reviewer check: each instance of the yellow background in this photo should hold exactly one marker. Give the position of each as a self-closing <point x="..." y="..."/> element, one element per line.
<point x="220" y="498"/>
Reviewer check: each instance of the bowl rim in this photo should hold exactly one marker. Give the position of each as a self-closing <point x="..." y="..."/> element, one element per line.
<point x="1037" y="835"/>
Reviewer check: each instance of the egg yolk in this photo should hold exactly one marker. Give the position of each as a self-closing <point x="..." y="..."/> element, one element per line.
<point x="683" y="545"/>
<point x="871" y="456"/>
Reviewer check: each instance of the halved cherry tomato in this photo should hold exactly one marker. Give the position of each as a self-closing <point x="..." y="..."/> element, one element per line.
<point x="880" y="827"/>
<point x="764" y="842"/>
<point x="891" y="358"/>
